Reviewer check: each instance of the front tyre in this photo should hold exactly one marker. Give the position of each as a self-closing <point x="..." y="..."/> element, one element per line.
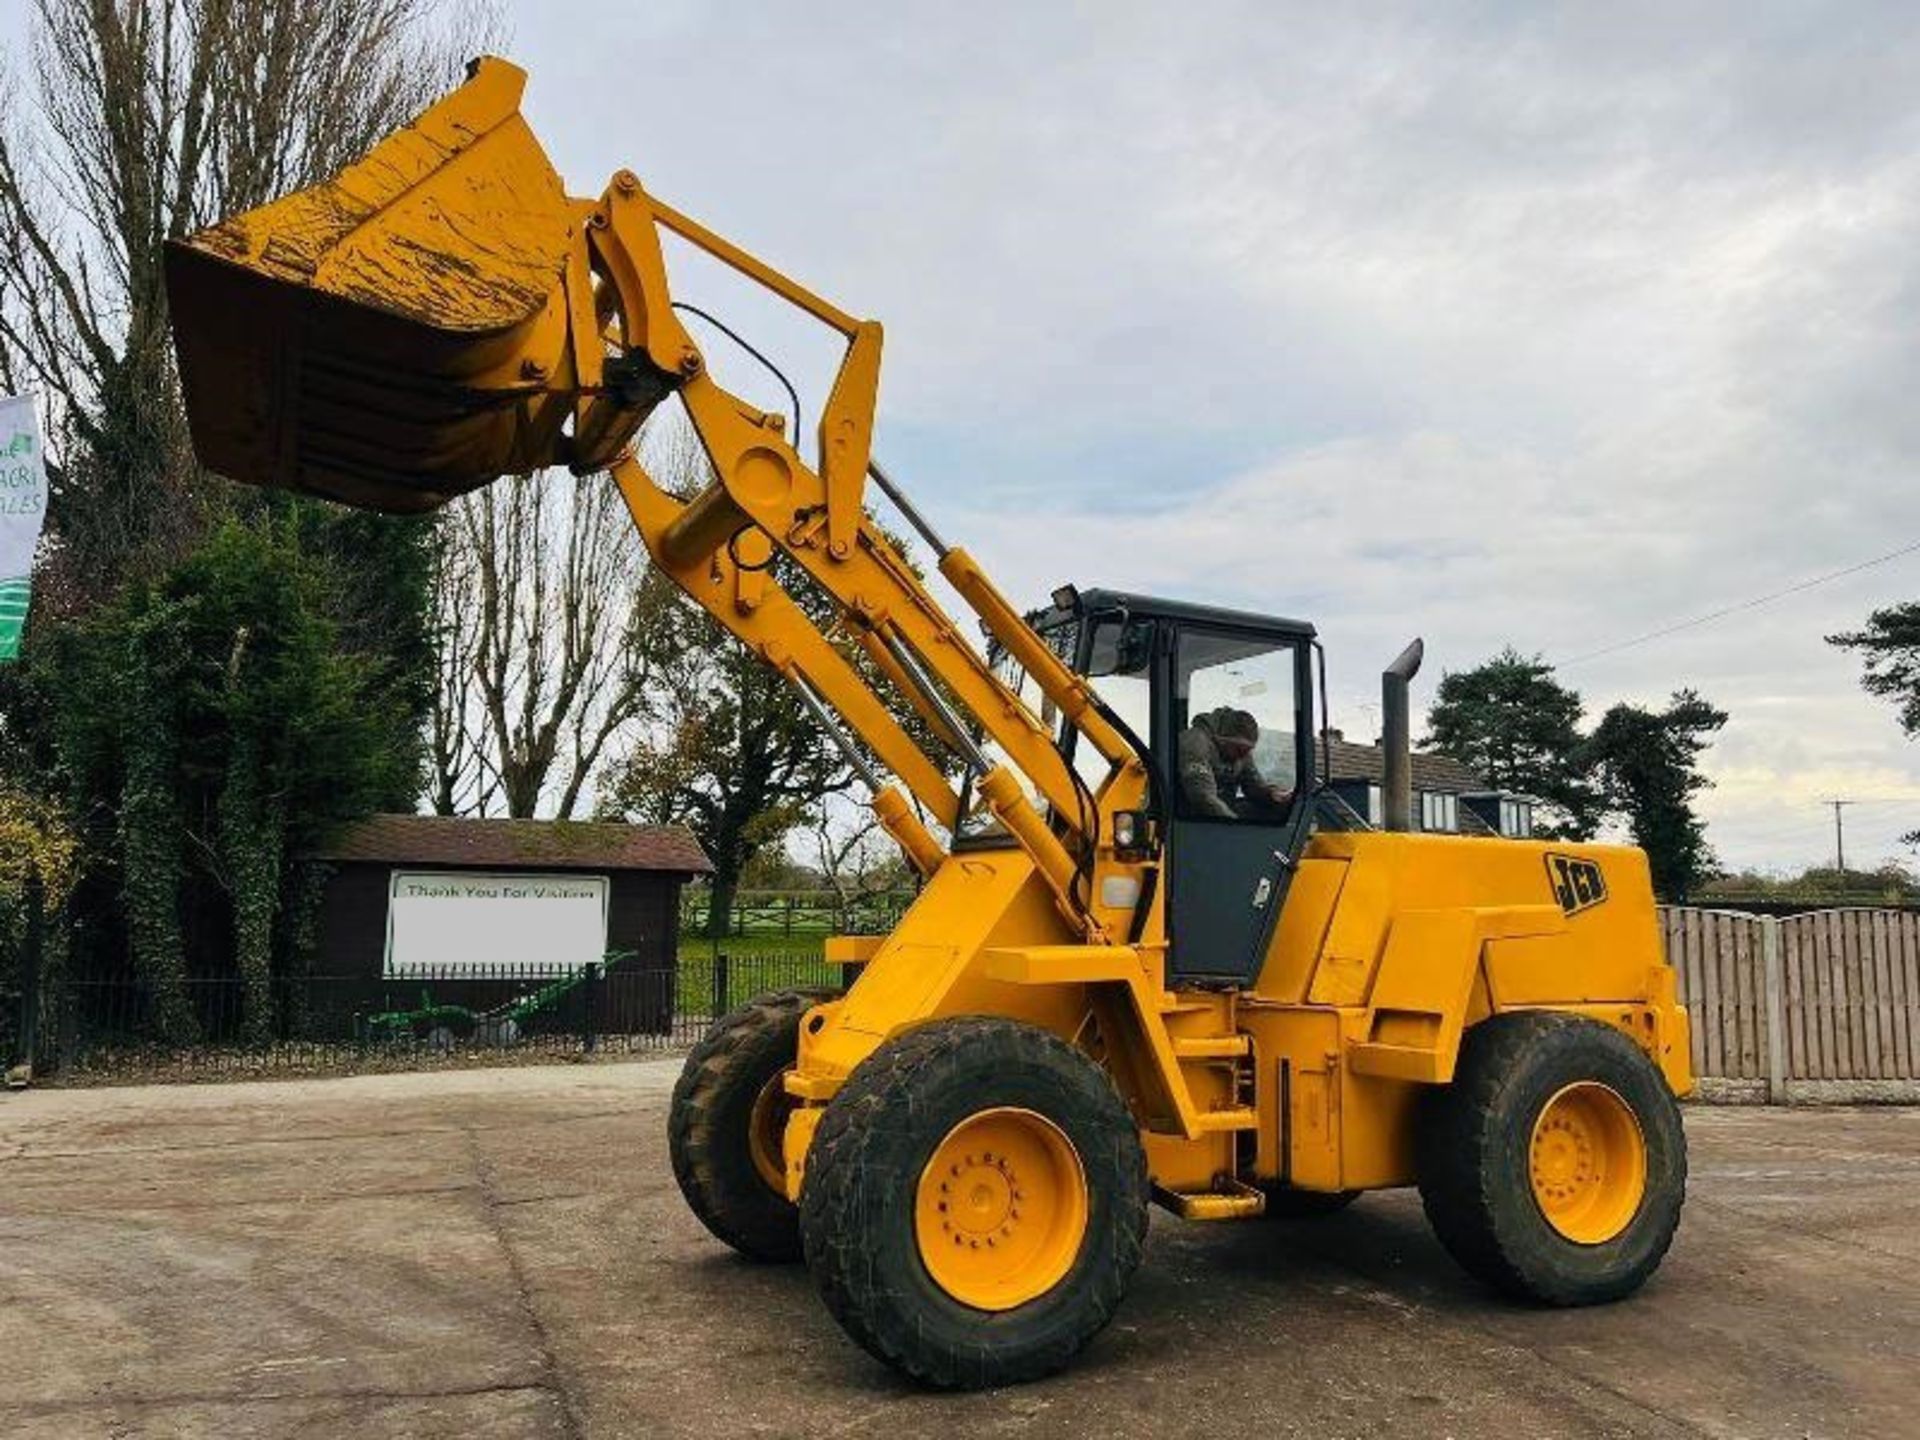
<point x="726" y="1125"/>
<point x="1554" y="1166"/>
<point x="975" y="1203"/>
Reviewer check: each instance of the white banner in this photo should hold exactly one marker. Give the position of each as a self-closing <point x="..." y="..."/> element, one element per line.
<point x="459" y="920"/>
<point x="23" y="507"/>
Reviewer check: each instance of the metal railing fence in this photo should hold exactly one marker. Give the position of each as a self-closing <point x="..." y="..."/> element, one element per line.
<point x="97" y="1030"/>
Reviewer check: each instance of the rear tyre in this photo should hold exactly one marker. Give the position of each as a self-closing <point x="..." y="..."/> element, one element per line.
<point x="1554" y="1166"/>
<point x="726" y="1124"/>
<point x="975" y="1203"/>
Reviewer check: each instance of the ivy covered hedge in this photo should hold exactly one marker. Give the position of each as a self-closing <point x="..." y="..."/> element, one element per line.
<point x="209" y="725"/>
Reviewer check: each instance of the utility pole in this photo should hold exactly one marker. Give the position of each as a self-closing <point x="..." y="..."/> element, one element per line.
<point x="1839" y="837"/>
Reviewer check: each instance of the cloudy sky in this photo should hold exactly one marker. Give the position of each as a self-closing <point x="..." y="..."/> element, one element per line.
<point x="1500" y="324"/>
<point x="1541" y="325"/>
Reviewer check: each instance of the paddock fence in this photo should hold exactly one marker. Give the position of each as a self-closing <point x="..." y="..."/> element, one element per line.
<point x="796" y="914"/>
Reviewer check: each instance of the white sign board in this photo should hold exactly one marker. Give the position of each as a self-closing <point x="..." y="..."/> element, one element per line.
<point x="23" y="507"/>
<point x="452" y="920"/>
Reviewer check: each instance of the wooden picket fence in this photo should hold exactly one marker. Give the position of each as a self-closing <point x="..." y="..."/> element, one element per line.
<point x="1824" y="1003"/>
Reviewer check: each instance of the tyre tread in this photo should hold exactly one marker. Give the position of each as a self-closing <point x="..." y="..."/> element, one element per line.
<point x="1455" y="1166"/>
<point x="695" y="1136"/>
<point x="855" y="1291"/>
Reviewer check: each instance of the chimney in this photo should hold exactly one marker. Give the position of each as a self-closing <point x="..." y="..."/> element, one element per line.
<point x="1335" y="735"/>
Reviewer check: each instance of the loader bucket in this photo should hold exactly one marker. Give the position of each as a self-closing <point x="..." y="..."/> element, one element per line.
<point x="383" y="338"/>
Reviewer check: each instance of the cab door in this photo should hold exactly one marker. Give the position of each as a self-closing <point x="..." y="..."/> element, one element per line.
<point x="1236" y="743"/>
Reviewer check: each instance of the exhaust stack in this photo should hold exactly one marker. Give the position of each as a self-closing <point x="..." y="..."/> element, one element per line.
<point x="1396" y="737"/>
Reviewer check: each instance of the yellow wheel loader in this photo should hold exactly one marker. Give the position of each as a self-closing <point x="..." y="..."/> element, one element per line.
<point x="1152" y="959"/>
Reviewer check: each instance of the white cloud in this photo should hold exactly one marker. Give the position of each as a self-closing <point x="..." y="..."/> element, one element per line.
<point x="1541" y="327"/>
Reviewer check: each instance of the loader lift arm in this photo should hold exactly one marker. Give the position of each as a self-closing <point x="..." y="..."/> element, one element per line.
<point x="765" y="498"/>
<point x="568" y="371"/>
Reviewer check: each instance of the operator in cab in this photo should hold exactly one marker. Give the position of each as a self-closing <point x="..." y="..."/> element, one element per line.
<point x="1217" y="774"/>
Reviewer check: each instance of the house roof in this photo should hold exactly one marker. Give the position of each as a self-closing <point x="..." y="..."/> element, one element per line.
<point x="1348" y="761"/>
<point x="520" y="844"/>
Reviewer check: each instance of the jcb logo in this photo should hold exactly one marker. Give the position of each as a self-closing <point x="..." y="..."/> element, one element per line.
<point x="1577" y="884"/>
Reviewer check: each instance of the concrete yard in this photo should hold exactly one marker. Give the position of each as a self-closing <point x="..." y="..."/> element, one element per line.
<point x="503" y="1253"/>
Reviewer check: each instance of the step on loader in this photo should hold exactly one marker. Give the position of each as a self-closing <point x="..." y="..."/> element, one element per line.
<point x="1152" y="960"/>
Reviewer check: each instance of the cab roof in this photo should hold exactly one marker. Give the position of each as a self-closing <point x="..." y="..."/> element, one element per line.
<point x="1184" y="611"/>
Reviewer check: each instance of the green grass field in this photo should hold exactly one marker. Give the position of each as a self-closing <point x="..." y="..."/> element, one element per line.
<point x="755" y="965"/>
<point x="699" y="947"/>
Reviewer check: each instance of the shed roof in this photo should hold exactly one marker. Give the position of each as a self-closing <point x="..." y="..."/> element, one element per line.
<point x="520" y="844"/>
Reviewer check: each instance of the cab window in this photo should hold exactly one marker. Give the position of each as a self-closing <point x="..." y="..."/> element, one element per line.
<point x="1119" y="663"/>
<point x="1235" y="717"/>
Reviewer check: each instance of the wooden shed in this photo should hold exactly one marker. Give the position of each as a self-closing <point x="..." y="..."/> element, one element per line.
<point x="462" y="902"/>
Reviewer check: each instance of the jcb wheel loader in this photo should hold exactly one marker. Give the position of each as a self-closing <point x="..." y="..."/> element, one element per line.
<point x="1151" y="959"/>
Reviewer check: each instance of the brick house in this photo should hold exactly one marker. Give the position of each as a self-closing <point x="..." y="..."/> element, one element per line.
<point x="1448" y="798"/>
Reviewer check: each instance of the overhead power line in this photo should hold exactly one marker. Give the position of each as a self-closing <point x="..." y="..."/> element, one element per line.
<point x="1755" y="603"/>
<point x="1805" y="826"/>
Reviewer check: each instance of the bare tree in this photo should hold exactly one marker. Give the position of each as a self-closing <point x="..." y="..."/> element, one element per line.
<point x="538" y="591"/>
<point x="854" y="857"/>
<point x="843" y="852"/>
<point x="461" y="780"/>
<point x="727" y="746"/>
<point x="143" y="120"/>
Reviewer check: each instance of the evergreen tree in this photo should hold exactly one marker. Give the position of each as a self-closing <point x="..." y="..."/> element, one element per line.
<point x="214" y="727"/>
<point x="1889" y="648"/>
<point x="1517" y="726"/>
<point x="1647" y="766"/>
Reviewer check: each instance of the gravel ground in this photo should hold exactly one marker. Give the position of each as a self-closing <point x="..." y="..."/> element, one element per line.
<point x="502" y="1253"/>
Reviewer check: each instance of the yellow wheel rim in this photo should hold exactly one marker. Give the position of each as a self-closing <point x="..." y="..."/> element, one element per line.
<point x="767" y="1132"/>
<point x="1588" y="1163"/>
<point x="1001" y="1209"/>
